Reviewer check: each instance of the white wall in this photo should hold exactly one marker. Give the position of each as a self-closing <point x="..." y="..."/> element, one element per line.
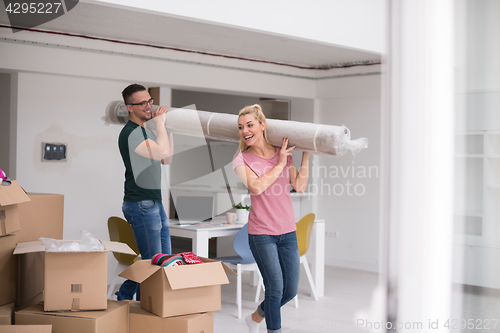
<point x="53" y="108"/>
<point x="349" y="202"/>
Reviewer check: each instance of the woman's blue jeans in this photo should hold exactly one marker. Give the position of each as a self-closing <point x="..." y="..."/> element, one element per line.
<point x="150" y="226"/>
<point x="279" y="263"/>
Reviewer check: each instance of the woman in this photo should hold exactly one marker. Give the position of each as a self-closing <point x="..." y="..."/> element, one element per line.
<point x="268" y="171"/>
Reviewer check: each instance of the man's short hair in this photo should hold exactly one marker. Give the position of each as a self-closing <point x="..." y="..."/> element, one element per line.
<point x="130" y="90"/>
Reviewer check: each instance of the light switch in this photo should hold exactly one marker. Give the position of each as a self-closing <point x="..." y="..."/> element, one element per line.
<point x="53" y="151"/>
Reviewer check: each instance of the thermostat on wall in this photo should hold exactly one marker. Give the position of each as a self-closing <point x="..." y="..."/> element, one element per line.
<point x="53" y="152"/>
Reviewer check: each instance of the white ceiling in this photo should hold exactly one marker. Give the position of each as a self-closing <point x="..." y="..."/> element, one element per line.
<point x="358" y="24"/>
<point x="149" y="28"/>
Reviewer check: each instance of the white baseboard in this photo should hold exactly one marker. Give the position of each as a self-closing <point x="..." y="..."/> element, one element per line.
<point x="363" y="266"/>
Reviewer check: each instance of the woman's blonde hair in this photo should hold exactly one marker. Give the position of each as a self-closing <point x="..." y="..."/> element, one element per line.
<point x="256" y="110"/>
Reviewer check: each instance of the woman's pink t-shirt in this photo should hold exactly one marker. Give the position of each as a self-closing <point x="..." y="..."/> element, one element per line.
<point x="272" y="210"/>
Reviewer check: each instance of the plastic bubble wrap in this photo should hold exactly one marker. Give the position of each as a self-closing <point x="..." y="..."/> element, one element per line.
<point x="88" y="244"/>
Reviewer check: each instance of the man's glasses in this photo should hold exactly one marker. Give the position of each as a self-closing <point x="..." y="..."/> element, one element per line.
<point x="144" y="103"/>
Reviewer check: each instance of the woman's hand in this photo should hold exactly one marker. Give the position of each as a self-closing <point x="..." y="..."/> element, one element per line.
<point x="284" y="153"/>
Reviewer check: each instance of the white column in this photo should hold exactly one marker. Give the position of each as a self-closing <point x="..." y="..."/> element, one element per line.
<point x="14" y="82"/>
<point x="420" y="195"/>
<point x="166" y="100"/>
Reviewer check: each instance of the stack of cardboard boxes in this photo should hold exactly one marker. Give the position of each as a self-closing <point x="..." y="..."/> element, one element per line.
<point x="23" y="216"/>
<point x="73" y="285"/>
<point x="74" y="289"/>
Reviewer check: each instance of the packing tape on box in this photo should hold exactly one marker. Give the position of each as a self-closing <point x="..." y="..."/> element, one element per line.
<point x="3" y="227"/>
<point x="75" y="305"/>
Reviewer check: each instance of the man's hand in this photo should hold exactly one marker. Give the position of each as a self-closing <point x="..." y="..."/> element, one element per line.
<point x="159" y="115"/>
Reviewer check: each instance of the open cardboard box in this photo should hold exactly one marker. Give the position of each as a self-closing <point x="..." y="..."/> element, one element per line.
<point x="74" y="280"/>
<point x="10" y="196"/>
<point x="179" y="290"/>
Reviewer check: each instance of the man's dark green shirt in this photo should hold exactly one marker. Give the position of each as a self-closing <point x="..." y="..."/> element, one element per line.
<point x="142" y="175"/>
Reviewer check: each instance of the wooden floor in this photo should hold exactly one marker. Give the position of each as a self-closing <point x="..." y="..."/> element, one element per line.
<point x="346" y="292"/>
<point x="479" y="308"/>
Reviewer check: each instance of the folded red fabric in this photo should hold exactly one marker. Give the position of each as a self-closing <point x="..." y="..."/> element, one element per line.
<point x="191" y="258"/>
<point x="163" y="260"/>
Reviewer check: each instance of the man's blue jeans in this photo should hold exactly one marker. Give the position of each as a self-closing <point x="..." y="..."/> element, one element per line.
<point x="152" y="235"/>
<point x="279" y="263"/>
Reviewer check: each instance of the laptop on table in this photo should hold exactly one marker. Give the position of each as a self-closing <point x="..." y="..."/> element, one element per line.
<point x="194" y="209"/>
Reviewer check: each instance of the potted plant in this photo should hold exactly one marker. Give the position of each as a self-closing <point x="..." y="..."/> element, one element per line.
<point x="242" y="212"/>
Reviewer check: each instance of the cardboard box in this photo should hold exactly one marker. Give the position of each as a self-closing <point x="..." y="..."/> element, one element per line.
<point x="74" y="280"/>
<point x="26" y="329"/>
<point x="179" y="290"/>
<point x="10" y="196"/>
<point x="7" y="269"/>
<point x="6" y="314"/>
<point x="143" y="321"/>
<point x="42" y="216"/>
<point x="113" y="320"/>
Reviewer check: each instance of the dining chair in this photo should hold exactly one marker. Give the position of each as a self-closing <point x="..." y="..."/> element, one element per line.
<point x="244" y="261"/>
<point x="121" y="231"/>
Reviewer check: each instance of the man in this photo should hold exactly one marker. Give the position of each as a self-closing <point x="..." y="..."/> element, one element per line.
<point x="143" y="152"/>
